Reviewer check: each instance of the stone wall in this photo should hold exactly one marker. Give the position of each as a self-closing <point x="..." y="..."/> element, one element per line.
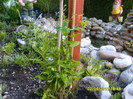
<point x="120" y="35"/>
<point x="125" y="39"/>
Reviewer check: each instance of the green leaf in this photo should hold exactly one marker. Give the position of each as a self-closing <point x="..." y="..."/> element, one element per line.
<point x="37" y="93"/>
<point x="74" y="43"/>
<point x="74" y="35"/>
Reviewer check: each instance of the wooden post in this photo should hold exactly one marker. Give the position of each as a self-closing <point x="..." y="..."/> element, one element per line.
<point x="77" y="18"/>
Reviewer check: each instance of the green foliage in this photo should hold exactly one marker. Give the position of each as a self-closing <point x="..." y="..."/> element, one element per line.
<point x="102" y="9"/>
<point x="9" y="13"/>
<point x="117" y="96"/>
<point x="8" y="48"/>
<point x="21" y="60"/>
<point x="3" y="35"/>
<point x="4" y="25"/>
<point x="48" y="5"/>
<point x="1" y="89"/>
<point x="5" y="61"/>
<point x="42" y="49"/>
<point x="94" y="67"/>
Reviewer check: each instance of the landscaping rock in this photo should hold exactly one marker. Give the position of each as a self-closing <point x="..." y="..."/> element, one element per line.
<point x="85" y="42"/>
<point x="122" y="35"/>
<point x="122" y="63"/>
<point x="91" y="48"/>
<point x="127" y="75"/>
<point x="114" y="71"/>
<point x="108" y="48"/>
<point x="84" y="51"/>
<point x="110" y="55"/>
<point x="128" y="92"/>
<point x="94" y="55"/>
<point x="21" y="42"/>
<point x="92" y="82"/>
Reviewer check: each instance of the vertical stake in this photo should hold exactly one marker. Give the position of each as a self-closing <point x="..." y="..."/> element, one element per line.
<point x="60" y="25"/>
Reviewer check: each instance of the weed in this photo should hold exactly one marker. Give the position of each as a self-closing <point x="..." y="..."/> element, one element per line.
<point x="3" y="35"/>
<point x="21" y="60"/>
<point x="2" y="86"/>
<point x="94" y="67"/>
<point x="5" y="61"/>
<point x="117" y="95"/>
<point x="8" y="48"/>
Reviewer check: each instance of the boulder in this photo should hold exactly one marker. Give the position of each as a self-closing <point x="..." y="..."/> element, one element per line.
<point x="95" y="82"/>
<point x="128" y="92"/>
<point x="94" y="55"/>
<point x="108" y="48"/>
<point x="127" y="75"/>
<point x="109" y="55"/>
<point x="122" y="63"/>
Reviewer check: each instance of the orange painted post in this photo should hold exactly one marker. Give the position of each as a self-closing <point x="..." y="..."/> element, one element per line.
<point x="78" y="18"/>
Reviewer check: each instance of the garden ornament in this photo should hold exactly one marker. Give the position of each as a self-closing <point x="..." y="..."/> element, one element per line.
<point x="117" y="11"/>
<point x="27" y="10"/>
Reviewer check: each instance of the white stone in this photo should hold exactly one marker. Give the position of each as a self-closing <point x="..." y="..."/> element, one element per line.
<point x="85" y="42"/>
<point x="108" y="48"/>
<point x="94" y="55"/>
<point x="91" y="48"/>
<point x="122" y="63"/>
<point x="84" y="51"/>
<point x="127" y="75"/>
<point x="128" y="92"/>
<point x="21" y="42"/>
<point x="110" y="55"/>
<point x="95" y="82"/>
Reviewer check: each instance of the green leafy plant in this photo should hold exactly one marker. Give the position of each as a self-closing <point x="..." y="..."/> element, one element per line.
<point x="5" y="61"/>
<point x="57" y="81"/>
<point x="117" y="95"/>
<point x="48" y="5"/>
<point x="9" y="11"/>
<point x="3" y="35"/>
<point x="21" y="60"/>
<point x="2" y="86"/>
<point x="8" y="48"/>
<point x="94" y="67"/>
<point x="42" y="49"/>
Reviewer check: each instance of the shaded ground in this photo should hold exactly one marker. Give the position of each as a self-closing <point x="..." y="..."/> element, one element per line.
<point x="18" y="83"/>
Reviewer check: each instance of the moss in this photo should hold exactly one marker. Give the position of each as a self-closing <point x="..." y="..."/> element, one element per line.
<point x="97" y="42"/>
